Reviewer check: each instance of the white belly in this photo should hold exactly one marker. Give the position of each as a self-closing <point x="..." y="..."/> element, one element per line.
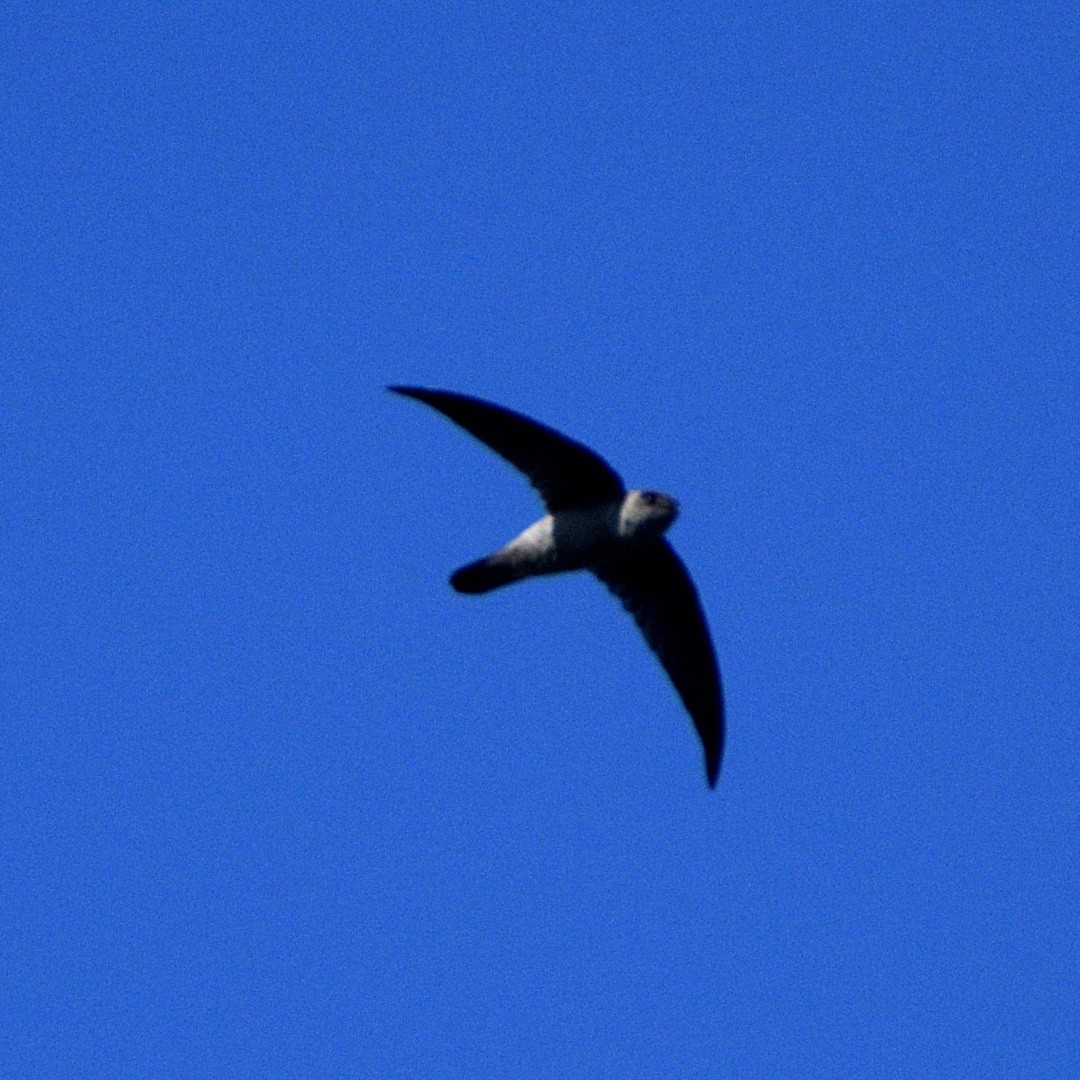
<point x="568" y="540"/>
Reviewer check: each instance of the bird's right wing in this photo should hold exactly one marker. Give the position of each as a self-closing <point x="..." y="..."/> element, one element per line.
<point x="565" y="473"/>
<point x="656" y="589"/>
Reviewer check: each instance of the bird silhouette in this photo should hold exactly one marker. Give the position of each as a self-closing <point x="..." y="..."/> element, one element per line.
<point x="593" y="523"/>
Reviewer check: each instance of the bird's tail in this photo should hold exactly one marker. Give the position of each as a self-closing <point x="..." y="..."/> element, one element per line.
<point x="484" y="575"/>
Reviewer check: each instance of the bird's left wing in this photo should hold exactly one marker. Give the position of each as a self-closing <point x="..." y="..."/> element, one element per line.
<point x="655" y="587"/>
<point x="565" y="473"/>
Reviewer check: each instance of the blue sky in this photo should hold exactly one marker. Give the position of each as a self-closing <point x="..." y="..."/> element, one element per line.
<point x="277" y="802"/>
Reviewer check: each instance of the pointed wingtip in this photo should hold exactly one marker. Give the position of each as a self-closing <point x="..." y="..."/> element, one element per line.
<point x="712" y="765"/>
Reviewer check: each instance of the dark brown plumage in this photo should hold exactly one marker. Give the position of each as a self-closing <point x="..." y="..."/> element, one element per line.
<point x="636" y="563"/>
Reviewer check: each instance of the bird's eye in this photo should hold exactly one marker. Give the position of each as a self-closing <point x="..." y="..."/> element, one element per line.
<point x="648" y="498"/>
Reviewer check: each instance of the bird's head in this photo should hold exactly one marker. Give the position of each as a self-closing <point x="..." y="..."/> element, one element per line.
<point x="646" y="514"/>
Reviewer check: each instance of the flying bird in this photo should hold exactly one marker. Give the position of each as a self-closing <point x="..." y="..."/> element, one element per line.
<point x="593" y="523"/>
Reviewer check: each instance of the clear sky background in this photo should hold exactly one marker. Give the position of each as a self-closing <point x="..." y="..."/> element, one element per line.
<point x="276" y="802"/>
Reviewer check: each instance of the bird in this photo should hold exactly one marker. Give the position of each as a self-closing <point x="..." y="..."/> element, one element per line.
<point x="593" y="523"/>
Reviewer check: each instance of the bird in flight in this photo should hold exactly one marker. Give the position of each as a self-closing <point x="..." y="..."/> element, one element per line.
<point x="593" y="523"/>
